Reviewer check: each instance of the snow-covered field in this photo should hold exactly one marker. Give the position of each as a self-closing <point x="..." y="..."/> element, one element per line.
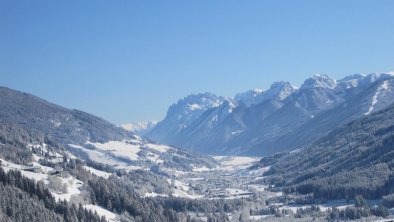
<point x="339" y="204"/>
<point x="201" y="169"/>
<point x="98" y="173"/>
<point x="153" y="194"/>
<point x="133" y="154"/>
<point x="104" y="158"/>
<point x="160" y="148"/>
<point x="235" y="162"/>
<point x="119" y="149"/>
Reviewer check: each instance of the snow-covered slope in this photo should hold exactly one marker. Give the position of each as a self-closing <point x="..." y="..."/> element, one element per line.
<point x="102" y="212"/>
<point x="382" y="97"/>
<point x="141" y="128"/>
<point x="136" y="153"/>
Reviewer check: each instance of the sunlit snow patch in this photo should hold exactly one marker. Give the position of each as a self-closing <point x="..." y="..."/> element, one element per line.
<point x="235" y="162"/>
<point x="381" y="91"/>
<point x="120" y="149"/>
<point x="98" y="173"/>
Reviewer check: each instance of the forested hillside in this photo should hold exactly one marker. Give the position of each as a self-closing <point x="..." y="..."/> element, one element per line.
<point x="57" y="123"/>
<point x="356" y="159"/>
<point x="22" y="199"/>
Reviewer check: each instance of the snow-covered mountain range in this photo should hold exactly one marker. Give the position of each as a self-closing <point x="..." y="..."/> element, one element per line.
<point x="284" y="117"/>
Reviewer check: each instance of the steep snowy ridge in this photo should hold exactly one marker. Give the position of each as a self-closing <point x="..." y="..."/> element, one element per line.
<point x="194" y="103"/>
<point x="351" y="77"/>
<point x="319" y="81"/>
<point x="278" y="90"/>
<point x="259" y="120"/>
<point x="182" y="114"/>
<point x="374" y="77"/>
<point x="382" y="97"/>
<point x="351" y="81"/>
<point x="362" y="82"/>
<point x="249" y="97"/>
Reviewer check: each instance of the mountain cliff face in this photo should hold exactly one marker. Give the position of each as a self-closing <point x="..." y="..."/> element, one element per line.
<point x="278" y="91"/>
<point x="183" y="114"/>
<point x="283" y="117"/>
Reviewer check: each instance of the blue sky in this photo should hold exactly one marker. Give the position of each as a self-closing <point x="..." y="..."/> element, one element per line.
<point x="129" y="60"/>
